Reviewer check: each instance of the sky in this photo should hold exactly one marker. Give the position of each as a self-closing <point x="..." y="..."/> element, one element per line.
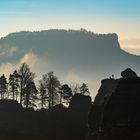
<point x="99" y="16"/>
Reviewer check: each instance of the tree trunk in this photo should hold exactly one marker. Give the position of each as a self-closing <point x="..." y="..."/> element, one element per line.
<point x="13" y="93"/>
<point x="27" y="100"/>
<point x="61" y="98"/>
<point x="49" y="100"/>
<point x="42" y="102"/>
<point x="52" y="99"/>
<point x="21" y="92"/>
<point x="16" y="96"/>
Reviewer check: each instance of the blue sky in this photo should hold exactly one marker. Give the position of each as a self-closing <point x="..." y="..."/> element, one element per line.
<point x="101" y="16"/>
<point x="121" y="8"/>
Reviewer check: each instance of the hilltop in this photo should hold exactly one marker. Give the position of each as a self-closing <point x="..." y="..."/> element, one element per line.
<point x="80" y="54"/>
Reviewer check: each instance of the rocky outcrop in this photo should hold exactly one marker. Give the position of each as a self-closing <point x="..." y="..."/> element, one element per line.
<point x="80" y="101"/>
<point x="128" y="73"/>
<point x="108" y="86"/>
<point x="10" y="105"/>
<point x="115" y="113"/>
<point x="123" y="106"/>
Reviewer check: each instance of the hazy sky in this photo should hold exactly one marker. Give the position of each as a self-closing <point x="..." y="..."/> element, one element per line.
<point x="100" y="16"/>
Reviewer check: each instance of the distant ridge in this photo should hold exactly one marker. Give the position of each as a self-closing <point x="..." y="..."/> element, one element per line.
<point x="91" y="56"/>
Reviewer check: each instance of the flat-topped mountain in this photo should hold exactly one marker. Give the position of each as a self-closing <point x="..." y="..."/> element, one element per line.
<point x="82" y="53"/>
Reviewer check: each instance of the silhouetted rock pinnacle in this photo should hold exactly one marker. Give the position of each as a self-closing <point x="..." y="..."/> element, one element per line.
<point x="117" y="116"/>
<point x="128" y="73"/>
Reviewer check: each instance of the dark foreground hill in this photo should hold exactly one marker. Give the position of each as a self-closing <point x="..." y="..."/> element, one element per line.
<point x="86" y="54"/>
<point x="114" y="115"/>
<point x="58" y="123"/>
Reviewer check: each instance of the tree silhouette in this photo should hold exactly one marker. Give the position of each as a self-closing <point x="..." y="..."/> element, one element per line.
<point x="30" y="95"/>
<point x="50" y="92"/>
<point x="26" y="76"/>
<point x="65" y="93"/>
<point x="76" y="89"/>
<point x="52" y="85"/>
<point x="3" y="86"/>
<point x="14" y="84"/>
<point x="84" y="89"/>
<point x="43" y="95"/>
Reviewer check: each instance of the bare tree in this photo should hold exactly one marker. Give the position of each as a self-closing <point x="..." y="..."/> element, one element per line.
<point x="43" y="94"/>
<point x="26" y="76"/>
<point x="52" y="85"/>
<point x="30" y="95"/>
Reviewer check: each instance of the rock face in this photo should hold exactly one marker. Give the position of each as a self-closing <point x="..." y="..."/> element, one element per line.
<point x="123" y="106"/>
<point x="81" y="102"/>
<point x="128" y="73"/>
<point x="108" y="86"/>
<point x="117" y="116"/>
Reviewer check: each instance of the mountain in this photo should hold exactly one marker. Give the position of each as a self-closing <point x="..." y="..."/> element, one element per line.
<point x="75" y="55"/>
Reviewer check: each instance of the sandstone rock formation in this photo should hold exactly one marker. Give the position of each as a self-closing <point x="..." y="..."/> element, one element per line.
<point x="115" y="113"/>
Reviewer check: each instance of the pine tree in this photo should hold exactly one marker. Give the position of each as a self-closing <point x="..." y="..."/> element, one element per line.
<point x="75" y="89"/>
<point x="14" y="84"/>
<point x="3" y="86"/>
<point x="84" y="89"/>
<point x="65" y="93"/>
